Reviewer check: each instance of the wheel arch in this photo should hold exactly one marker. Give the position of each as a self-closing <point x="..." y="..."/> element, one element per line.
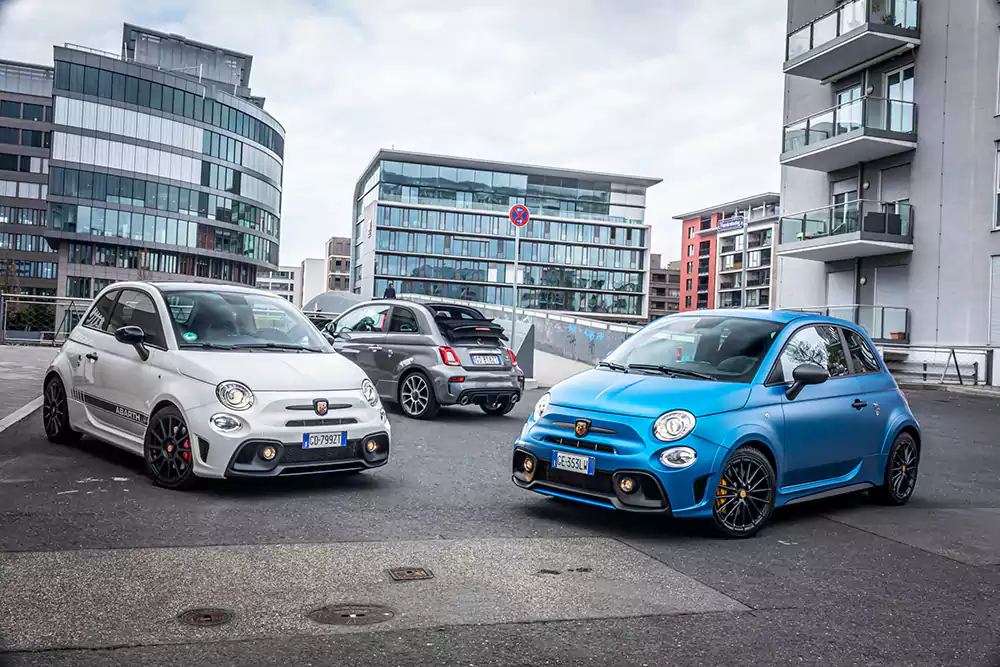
<point x="763" y="448"/>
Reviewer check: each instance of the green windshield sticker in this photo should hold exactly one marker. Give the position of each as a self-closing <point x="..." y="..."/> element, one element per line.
<point x="190" y="336"/>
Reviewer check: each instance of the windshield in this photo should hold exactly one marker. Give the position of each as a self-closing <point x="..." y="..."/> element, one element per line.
<point x="726" y="349"/>
<point x="240" y="320"/>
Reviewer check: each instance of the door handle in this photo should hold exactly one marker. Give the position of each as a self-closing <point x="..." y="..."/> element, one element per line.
<point x="374" y="348"/>
<point x="858" y="404"/>
<point x="92" y="356"/>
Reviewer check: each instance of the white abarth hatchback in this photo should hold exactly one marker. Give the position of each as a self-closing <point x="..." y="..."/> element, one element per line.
<point x="212" y="381"/>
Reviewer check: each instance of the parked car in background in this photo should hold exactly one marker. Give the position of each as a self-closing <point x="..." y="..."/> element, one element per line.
<point x="212" y="381"/>
<point x="725" y="415"/>
<point x="424" y="355"/>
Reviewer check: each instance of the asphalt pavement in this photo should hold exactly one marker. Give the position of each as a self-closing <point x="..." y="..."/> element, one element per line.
<point x="96" y="563"/>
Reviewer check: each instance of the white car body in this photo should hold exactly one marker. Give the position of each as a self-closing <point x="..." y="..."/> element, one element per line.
<point x="112" y="393"/>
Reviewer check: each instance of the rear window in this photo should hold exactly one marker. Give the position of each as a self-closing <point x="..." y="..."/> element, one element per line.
<point x="456" y="313"/>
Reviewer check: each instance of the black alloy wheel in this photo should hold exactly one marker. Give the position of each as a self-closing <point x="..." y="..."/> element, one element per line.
<point x="416" y="396"/>
<point x="745" y="495"/>
<point x="900" y="471"/>
<point x="55" y="413"/>
<point x="500" y="408"/>
<point x="168" y="452"/>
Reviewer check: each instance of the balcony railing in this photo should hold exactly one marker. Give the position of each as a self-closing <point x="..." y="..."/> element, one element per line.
<point x="849" y="16"/>
<point x="883" y="323"/>
<point x="872" y="217"/>
<point x="873" y="113"/>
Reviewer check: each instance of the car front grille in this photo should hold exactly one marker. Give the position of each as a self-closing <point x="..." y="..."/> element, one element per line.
<point x="581" y="444"/>
<point x="327" y="421"/>
<point x="296" y="454"/>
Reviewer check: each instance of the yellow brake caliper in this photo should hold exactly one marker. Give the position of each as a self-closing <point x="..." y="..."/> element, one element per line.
<point x="722" y="492"/>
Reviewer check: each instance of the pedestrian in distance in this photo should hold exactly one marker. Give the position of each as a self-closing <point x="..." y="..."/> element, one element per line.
<point x="390" y="292"/>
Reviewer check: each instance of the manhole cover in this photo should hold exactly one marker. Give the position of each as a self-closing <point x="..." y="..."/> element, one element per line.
<point x="351" y="614"/>
<point x="206" y="618"/>
<point x="410" y="573"/>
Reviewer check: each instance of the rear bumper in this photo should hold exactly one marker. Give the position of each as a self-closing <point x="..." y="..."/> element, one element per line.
<point x="476" y="387"/>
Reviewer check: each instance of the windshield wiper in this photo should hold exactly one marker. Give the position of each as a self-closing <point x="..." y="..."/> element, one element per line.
<point x="275" y="346"/>
<point x="208" y="346"/>
<point x="673" y="372"/>
<point x="613" y="366"/>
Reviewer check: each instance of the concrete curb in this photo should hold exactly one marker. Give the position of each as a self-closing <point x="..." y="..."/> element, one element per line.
<point x="21" y="413"/>
<point x="992" y="392"/>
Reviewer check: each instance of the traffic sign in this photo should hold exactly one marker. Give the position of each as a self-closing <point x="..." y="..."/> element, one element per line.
<point x="519" y="215"/>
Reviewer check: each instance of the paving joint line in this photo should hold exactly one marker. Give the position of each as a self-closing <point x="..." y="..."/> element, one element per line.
<point x="20" y="414"/>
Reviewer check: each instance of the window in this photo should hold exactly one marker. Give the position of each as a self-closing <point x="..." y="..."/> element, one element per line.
<point x="10" y="109"/>
<point x="99" y="315"/>
<point x="818" y="345"/>
<point x="691" y="250"/>
<point x="136" y="309"/>
<point x="403" y="321"/>
<point x="691" y="232"/>
<point x="862" y="355"/>
<point x="33" y="112"/>
<point x="687" y="302"/>
<point x="690" y="267"/>
<point x="367" y="319"/>
<point x="687" y="284"/>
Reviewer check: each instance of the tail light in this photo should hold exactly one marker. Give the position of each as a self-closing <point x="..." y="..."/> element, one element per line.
<point x="449" y="357"/>
<point x="513" y="357"/>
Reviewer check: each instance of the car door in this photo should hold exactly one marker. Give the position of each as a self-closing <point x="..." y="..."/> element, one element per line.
<point x="404" y="340"/>
<point x="360" y="333"/>
<point x="125" y="384"/>
<point x="877" y="390"/>
<point x="81" y="350"/>
<point x="820" y="424"/>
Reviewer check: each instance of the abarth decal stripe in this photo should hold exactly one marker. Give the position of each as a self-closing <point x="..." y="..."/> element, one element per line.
<point x="113" y="408"/>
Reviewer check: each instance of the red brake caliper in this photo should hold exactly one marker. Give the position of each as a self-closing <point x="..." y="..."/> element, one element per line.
<point x="186" y="453"/>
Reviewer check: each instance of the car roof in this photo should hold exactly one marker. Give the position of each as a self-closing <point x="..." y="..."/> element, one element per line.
<point x="175" y="286"/>
<point x="779" y="316"/>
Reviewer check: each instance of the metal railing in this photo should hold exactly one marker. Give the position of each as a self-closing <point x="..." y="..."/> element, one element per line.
<point x="39" y="320"/>
<point x="874" y="113"/>
<point x="883" y="323"/>
<point x="892" y="218"/>
<point x="967" y="366"/>
<point x="849" y="16"/>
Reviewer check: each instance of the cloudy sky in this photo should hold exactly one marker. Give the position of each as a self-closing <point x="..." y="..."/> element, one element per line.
<point x="685" y="90"/>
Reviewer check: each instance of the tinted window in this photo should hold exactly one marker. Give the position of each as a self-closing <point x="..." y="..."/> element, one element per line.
<point x="10" y="109"/>
<point x="403" y="321"/>
<point x="367" y="319"/>
<point x="98" y="316"/>
<point x="137" y="309"/>
<point x="862" y="354"/>
<point x="818" y="345"/>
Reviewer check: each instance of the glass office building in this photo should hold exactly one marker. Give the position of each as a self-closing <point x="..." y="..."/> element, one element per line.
<point x="162" y="165"/>
<point x="439" y="225"/>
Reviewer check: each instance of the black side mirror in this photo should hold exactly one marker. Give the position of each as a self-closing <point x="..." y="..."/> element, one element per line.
<point x="134" y="336"/>
<point x="806" y="374"/>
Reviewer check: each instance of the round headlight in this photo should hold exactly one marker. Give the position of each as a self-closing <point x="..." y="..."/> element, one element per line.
<point x="234" y="395"/>
<point x="368" y="391"/>
<point x="541" y="406"/>
<point x="678" y="457"/>
<point x="673" y="425"/>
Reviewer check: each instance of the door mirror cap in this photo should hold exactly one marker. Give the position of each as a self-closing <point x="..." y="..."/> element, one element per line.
<point x="134" y="336"/>
<point x="803" y="375"/>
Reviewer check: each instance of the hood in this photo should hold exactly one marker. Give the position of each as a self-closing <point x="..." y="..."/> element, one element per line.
<point x="273" y="371"/>
<point x="641" y="395"/>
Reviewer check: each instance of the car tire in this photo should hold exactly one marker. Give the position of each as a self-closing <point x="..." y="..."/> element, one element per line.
<point x="416" y="396"/>
<point x="745" y="494"/>
<point x="55" y="413"/>
<point x="167" y="450"/>
<point x="499" y="408"/>
<point x="900" y="477"/>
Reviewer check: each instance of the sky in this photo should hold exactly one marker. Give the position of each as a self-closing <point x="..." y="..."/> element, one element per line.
<point x="689" y="91"/>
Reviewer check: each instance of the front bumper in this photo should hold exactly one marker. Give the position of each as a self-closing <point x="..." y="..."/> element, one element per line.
<point x="630" y="451"/>
<point x="282" y="420"/>
<point x="476" y="387"/>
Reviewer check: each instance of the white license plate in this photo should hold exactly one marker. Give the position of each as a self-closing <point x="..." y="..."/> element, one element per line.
<point x="317" y="440"/>
<point x="573" y="462"/>
<point x="486" y="359"/>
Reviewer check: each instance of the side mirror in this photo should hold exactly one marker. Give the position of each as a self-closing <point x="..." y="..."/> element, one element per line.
<point x="134" y="336"/>
<point x="806" y="374"/>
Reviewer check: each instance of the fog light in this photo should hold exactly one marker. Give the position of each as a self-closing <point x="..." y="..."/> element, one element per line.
<point x="268" y="453"/>
<point x="226" y="423"/>
<point x="371" y="446"/>
<point x="529" y="465"/>
<point x="627" y="484"/>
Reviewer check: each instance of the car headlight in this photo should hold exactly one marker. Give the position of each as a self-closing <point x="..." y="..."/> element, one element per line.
<point x="234" y="395"/>
<point x="673" y="425"/>
<point x="541" y="406"/>
<point x="368" y="391"/>
<point x="678" y="457"/>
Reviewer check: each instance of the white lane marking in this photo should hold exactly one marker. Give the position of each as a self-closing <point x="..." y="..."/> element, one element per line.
<point x="63" y="493"/>
<point x="120" y="479"/>
<point x="20" y="414"/>
<point x="89" y="480"/>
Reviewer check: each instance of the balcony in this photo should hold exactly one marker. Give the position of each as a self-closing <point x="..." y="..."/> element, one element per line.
<point x="862" y="130"/>
<point x="884" y="324"/>
<point x="845" y="231"/>
<point x="856" y="33"/>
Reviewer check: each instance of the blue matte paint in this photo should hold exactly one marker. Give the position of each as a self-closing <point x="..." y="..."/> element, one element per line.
<point x="819" y="441"/>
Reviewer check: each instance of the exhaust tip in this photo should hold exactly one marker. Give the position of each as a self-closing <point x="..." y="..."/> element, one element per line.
<point x="465" y="400"/>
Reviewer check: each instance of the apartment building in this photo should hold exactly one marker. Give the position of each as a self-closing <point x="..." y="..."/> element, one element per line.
<point x="284" y="282"/>
<point x="338" y="264"/>
<point x="664" y="287"/>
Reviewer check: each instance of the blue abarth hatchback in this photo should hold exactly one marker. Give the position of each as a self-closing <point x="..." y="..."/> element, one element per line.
<point x="724" y="415"/>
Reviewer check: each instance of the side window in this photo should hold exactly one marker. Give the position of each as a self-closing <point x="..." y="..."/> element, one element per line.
<point x="99" y="315"/>
<point x="367" y="319"/>
<point x="818" y="345"/>
<point x="403" y="321"/>
<point x="862" y="354"/>
<point x="137" y="309"/>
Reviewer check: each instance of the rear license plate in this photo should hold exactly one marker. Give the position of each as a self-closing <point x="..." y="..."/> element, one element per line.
<point x="317" y="440"/>
<point x="486" y="359"/>
<point x="573" y="462"/>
